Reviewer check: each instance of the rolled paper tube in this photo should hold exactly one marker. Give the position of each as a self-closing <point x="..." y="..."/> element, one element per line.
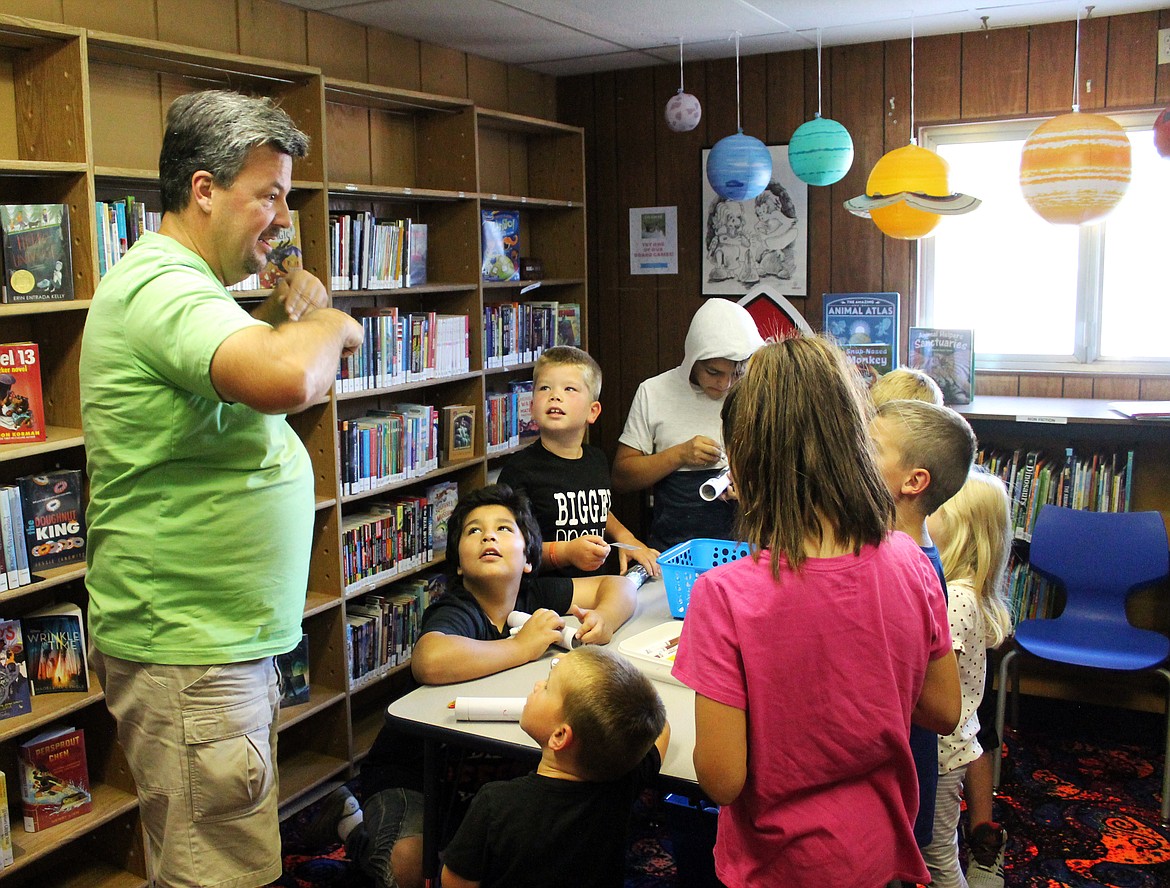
<point x="489" y="708"/>
<point x="568" y="639"/>
<point x="710" y="490"/>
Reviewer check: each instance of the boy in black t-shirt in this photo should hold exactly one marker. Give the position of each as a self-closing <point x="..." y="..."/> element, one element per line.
<point x="493" y="552"/>
<point x="566" y="479"/>
<point x="602" y="732"/>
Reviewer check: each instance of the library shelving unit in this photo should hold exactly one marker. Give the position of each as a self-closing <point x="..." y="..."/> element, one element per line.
<point x="1050" y="425"/>
<point x="81" y="118"/>
<point x="436" y="160"/>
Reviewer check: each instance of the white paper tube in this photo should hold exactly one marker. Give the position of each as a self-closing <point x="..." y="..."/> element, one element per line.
<point x="710" y="490"/>
<point x="568" y="640"/>
<point x="488" y="708"/>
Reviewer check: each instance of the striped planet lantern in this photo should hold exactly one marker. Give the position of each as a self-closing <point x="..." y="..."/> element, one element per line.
<point x="739" y="167"/>
<point x="820" y="151"/>
<point x="1075" y="168"/>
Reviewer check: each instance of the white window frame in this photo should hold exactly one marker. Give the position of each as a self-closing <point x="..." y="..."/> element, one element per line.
<point x="1091" y="242"/>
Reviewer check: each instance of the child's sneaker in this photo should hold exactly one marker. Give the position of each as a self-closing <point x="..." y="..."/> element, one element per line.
<point x="986" y="842"/>
<point x="323" y="831"/>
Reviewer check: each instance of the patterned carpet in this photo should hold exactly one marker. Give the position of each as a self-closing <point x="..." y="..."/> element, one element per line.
<point x="1080" y="800"/>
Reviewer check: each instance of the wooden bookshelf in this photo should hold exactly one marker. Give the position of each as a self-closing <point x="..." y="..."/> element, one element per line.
<point x="397" y="152"/>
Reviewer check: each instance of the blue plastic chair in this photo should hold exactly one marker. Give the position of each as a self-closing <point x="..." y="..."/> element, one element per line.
<point x="1099" y="559"/>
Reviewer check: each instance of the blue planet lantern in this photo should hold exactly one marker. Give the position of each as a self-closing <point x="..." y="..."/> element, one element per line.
<point x="739" y="167"/>
<point x="820" y="151"/>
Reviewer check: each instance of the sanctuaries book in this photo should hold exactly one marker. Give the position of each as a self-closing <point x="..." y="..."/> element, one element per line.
<point x="37" y="261"/>
<point x="22" y="410"/>
<point x="54" y="521"/>
<point x="285" y="255"/>
<point x="54" y="778"/>
<point x="854" y="320"/>
<point x="947" y="357"/>
<point x="15" y="695"/>
<point x="54" y="643"/>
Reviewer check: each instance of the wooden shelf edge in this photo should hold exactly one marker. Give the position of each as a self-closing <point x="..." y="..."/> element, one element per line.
<point x="536" y="203"/>
<point x="11" y="309"/>
<point x="49" y="707"/>
<point x="398" y="485"/>
<point x="406" y="386"/>
<point x="506" y="120"/>
<point x="56" y="438"/>
<point x="14" y="167"/>
<point x="325" y="697"/>
<point x="353" y="92"/>
<point x="108" y="803"/>
<point x="384" y="578"/>
<point x="404" y="192"/>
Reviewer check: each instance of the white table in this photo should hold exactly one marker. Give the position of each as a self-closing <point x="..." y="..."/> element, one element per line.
<point x="424" y="713"/>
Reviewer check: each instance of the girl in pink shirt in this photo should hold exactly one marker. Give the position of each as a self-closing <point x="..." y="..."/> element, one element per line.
<point x="810" y="658"/>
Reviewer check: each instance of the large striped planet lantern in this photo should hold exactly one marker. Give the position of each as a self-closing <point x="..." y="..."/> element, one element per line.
<point x="1075" y="168"/>
<point x="820" y="151"/>
<point x="907" y="191"/>
<point x="739" y="167"/>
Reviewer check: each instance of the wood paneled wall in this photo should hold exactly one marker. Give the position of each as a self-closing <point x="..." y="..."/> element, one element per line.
<point x="638" y="323"/>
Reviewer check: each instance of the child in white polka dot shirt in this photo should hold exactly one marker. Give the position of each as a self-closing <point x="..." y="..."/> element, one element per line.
<point x="973" y="533"/>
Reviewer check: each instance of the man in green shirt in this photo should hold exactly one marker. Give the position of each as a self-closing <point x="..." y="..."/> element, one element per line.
<point x="201" y="506"/>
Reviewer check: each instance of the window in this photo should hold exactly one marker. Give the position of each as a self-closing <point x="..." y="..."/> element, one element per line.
<point x="1043" y="296"/>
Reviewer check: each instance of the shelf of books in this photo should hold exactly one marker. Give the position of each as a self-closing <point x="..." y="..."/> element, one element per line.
<point x="1078" y="453"/>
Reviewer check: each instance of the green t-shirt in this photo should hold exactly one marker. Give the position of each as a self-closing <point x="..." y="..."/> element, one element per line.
<point x="200" y="512"/>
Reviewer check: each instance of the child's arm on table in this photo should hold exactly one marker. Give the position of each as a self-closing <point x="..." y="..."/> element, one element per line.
<point x="634" y="470"/>
<point x="940" y="704"/>
<point x="602" y="604"/>
<point x="720" y="749"/>
<point x="438" y="658"/>
<point x="644" y="555"/>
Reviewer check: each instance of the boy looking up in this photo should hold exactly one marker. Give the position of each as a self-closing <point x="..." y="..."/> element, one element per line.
<point x="924" y="453"/>
<point x="496" y="553"/>
<point x="566" y="479"/>
<point x="602" y="732"/>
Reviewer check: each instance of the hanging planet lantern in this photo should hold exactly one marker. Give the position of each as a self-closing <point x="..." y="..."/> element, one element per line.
<point x="820" y="151"/>
<point x="739" y="167"/>
<point x="1075" y="168"/>
<point x="683" y="112"/>
<point x="906" y="193"/>
<point x="1162" y="133"/>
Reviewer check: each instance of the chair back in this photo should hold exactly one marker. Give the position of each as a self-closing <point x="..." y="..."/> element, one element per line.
<point x="1099" y="557"/>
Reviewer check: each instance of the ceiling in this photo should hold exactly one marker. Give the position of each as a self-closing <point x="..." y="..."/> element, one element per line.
<point x="563" y="37"/>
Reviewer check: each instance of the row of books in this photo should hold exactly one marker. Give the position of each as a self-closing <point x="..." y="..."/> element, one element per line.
<point x="396" y="535"/>
<point x="387" y="446"/>
<point x="119" y="225"/>
<point x="37" y="258"/>
<point x="381" y="628"/>
<point x="509" y="420"/>
<point x="41" y="653"/>
<point x="369" y="253"/>
<point x="401" y="348"/>
<point x="517" y="332"/>
<point x="1098" y="482"/>
<point x="42" y="526"/>
<point x="1030" y="596"/>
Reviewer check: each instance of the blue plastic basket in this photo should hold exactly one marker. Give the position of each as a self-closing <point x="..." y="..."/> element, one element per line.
<point x="682" y="564"/>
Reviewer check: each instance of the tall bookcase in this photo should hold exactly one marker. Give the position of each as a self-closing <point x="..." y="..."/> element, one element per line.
<point x="81" y="116"/>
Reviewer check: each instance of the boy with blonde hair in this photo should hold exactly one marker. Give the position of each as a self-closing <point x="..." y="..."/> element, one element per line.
<point x="566" y="479"/>
<point x="905" y="383"/>
<point x="924" y="452"/>
<point x="602" y="732"/>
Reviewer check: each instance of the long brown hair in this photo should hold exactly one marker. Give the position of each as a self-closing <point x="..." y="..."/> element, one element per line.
<point x="800" y="453"/>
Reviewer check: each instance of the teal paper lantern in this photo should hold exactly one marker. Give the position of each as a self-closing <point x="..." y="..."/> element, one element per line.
<point x="821" y="151"/>
<point x="739" y="167"/>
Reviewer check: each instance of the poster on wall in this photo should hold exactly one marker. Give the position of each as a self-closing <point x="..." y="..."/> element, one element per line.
<point x="760" y="240"/>
<point x="654" y="240"/>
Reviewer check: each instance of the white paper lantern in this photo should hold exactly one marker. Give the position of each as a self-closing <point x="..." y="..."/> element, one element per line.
<point x="683" y="112"/>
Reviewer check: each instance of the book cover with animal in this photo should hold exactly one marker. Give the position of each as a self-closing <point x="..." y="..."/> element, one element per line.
<point x="285" y="255"/>
<point x="947" y="357"/>
<point x="54" y="643"/>
<point x="54" y="778"/>
<point x="54" y="520"/>
<point x="15" y="693"/>
<point x="500" y="245"/>
<point x="292" y="671"/>
<point x="855" y="319"/>
<point x="22" y="410"/>
<point x="37" y="261"/>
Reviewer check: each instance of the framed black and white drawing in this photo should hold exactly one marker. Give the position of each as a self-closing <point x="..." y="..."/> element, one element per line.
<point x="760" y="240"/>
